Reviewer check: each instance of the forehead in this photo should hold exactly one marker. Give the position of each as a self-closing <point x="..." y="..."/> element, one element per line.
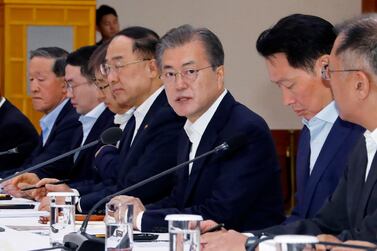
<point x="108" y="18"/>
<point x="41" y="63"/>
<point x="279" y="68"/>
<point x="189" y="53"/>
<point x="72" y="72"/>
<point x="119" y="47"/>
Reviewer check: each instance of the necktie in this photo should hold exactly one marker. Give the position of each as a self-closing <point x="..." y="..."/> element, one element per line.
<point x="128" y="133"/>
<point x="303" y="158"/>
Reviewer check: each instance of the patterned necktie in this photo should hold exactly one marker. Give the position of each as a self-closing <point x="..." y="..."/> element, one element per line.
<point x="303" y="158"/>
<point x="128" y="133"/>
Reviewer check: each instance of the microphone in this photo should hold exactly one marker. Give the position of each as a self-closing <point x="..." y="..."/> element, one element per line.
<point x="10" y="151"/>
<point x="81" y="241"/>
<point x="109" y="136"/>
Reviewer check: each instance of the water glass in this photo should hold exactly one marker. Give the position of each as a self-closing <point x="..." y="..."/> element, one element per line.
<point x="184" y="232"/>
<point x="295" y="242"/>
<point x="62" y="215"/>
<point x="119" y="228"/>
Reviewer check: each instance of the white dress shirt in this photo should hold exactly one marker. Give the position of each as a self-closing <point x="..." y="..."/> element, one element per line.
<point x="143" y="109"/>
<point x="371" y="145"/>
<point x="122" y="119"/>
<point x="320" y="126"/>
<point x="194" y="132"/>
<point x="48" y="120"/>
<point x="2" y="101"/>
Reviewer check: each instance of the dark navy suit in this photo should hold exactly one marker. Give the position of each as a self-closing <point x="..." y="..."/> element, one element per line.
<point x="154" y="149"/>
<point x="240" y="188"/>
<point x="313" y="190"/>
<point x="82" y="170"/>
<point x="60" y="140"/>
<point x="16" y="130"/>
<point x="351" y="211"/>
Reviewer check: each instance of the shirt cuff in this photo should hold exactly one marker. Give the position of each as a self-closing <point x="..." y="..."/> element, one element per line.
<point x="139" y="218"/>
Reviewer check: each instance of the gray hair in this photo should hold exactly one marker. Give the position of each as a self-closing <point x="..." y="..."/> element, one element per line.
<point x="358" y="44"/>
<point x="56" y="53"/>
<point x="186" y="33"/>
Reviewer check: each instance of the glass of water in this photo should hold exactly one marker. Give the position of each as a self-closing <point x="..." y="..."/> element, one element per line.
<point x="62" y="215"/>
<point x="184" y="232"/>
<point x="119" y="228"/>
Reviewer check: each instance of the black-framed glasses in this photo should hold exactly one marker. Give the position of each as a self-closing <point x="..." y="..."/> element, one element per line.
<point x="326" y="72"/>
<point x="106" y="68"/>
<point x="187" y="75"/>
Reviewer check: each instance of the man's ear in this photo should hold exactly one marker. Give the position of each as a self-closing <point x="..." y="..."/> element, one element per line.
<point x="361" y="84"/>
<point x="220" y="75"/>
<point x="320" y="62"/>
<point x="153" y="68"/>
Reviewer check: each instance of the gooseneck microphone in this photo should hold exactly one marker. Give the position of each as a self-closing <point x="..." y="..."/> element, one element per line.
<point x="109" y="136"/>
<point x="10" y="151"/>
<point x="81" y="241"/>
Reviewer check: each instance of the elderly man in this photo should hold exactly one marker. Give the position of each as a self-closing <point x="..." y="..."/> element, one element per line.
<point x="351" y="212"/>
<point x="60" y="122"/>
<point x="240" y="188"/>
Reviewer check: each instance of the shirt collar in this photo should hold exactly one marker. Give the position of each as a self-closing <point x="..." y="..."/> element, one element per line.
<point x="120" y="119"/>
<point x="49" y="119"/>
<point x="95" y="112"/>
<point x="195" y="130"/>
<point x="328" y="114"/>
<point x="143" y="109"/>
<point x="2" y="101"/>
<point x="371" y="135"/>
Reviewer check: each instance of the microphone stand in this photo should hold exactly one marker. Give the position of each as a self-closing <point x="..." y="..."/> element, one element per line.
<point x="10" y="151"/>
<point x="81" y="241"/>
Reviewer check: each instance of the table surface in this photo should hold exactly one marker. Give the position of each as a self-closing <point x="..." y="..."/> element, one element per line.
<point x="24" y="232"/>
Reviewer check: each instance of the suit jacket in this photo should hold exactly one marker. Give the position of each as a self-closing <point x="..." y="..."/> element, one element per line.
<point x="240" y="188"/>
<point x="351" y="212"/>
<point x="313" y="190"/>
<point x="82" y="169"/>
<point x="16" y="130"/>
<point x="59" y="141"/>
<point x="153" y="150"/>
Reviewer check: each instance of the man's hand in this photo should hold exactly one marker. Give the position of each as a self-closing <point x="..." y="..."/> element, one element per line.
<point x="327" y="238"/>
<point x="359" y="243"/>
<point x="13" y="186"/>
<point x="44" y="204"/>
<point x="40" y="193"/>
<point x="207" y="224"/>
<point x="138" y="205"/>
<point x="223" y="240"/>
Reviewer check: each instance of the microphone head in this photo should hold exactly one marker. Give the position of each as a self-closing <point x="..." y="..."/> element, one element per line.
<point x="238" y="141"/>
<point x="111" y="135"/>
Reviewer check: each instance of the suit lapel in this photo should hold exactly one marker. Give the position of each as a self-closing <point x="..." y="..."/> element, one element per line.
<point x="209" y="140"/>
<point x="332" y="143"/>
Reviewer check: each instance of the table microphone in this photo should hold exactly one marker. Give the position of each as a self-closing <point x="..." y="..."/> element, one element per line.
<point x="22" y="148"/>
<point x="81" y="241"/>
<point x="109" y="136"/>
<point x="10" y="151"/>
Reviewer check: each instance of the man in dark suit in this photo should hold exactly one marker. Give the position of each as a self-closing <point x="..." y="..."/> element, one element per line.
<point x="295" y="49"/>
<point x="16" y="131"/>
<point x="226" y="186"/>
<point x="351" y="211"/>
<point x="60" y="122"/>
<point x="147" y="146"/>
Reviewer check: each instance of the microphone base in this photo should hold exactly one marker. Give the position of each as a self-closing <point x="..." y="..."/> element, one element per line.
<point x="83" y="242"/>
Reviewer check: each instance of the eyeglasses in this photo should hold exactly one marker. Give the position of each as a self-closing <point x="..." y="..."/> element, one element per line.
<point x="70" y="86"/>
<point x="106" y="69"/>
<point x="188" y="75"/>
<point x="326" y="72"/>
<point x="101" y="84"/>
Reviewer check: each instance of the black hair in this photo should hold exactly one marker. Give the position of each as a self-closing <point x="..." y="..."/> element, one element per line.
<point x="104" y="10"/>
<point x="80" y="58"/>
<point x="302" y="38"/>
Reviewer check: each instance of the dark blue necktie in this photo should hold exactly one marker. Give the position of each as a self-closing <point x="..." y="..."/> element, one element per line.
<point x="128" y="133"/>
<point x="303" y="160"/>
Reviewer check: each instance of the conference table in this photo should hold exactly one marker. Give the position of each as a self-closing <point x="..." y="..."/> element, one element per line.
<point x="23" y="231"/>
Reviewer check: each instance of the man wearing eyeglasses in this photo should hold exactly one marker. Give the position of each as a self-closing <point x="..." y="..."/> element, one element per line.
<point x="60" y="120"/>
<point x="148" y="144"/>
<point x="240" y="188"/>
<point x="94" y="118"/>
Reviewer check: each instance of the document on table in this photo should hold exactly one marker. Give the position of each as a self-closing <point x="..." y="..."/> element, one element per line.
<point x="20" y="213"/>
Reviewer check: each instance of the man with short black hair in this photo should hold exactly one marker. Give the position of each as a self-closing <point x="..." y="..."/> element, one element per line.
<point x="106" y="22"/>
